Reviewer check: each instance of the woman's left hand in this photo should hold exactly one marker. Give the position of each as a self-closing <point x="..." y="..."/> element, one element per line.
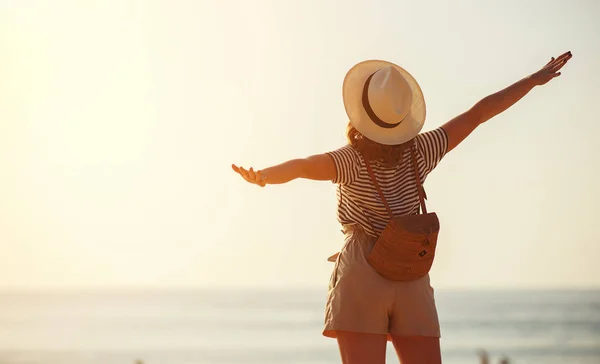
<point x="251" y="176"/>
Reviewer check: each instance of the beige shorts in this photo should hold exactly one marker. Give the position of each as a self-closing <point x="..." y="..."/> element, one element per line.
<point x="361" y="300"/>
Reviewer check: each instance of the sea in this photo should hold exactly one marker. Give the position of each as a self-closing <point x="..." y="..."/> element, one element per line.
<point x="279" y="326"/>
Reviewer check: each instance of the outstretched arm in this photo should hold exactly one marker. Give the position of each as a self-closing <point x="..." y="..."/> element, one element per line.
<point x="317" y="167"/>
<point x="461" y="126"/>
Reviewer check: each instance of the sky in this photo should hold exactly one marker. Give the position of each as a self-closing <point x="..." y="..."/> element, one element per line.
<point x="119" y="121"/>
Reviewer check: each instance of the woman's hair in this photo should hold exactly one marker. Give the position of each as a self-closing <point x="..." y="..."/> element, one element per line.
<point x="389" y="155"/>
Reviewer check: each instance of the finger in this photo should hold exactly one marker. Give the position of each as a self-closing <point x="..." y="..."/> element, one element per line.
<point x="262" y="179"/>
<point x="562" y="59"/>
<point x="556" y="75"/>
<point x="257" y="177"/>
<point x="250" y="176"/>
<point x="559" y="61"/>
<point x="558" y="66"/>
<point x="564" y="55"/>
<point x="239" y="170"/>
<point x="244" y="173"/>
<point x="551" y="60"/>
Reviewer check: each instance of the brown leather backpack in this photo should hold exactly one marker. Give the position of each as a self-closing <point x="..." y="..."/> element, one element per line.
<point x="405" y="249"/>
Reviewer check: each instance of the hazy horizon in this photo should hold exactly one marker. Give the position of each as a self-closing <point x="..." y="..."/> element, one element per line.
<point x="119" y="121"/>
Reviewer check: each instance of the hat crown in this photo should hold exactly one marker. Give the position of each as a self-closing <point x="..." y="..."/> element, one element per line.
<point x="389" y="95"/>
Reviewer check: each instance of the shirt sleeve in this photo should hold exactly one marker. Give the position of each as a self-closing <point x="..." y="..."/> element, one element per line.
<point x="347" y="164"/>
<point x="432" y="146"/>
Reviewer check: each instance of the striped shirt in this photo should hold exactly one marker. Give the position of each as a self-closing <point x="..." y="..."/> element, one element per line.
<point x="358" y="200"/>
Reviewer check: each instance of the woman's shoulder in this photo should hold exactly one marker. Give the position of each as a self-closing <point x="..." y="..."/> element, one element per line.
<point x="348" y="152"/>
<point x="432" y="139"/>
<point x="432" y="146"/>
<point x="348" y="164"/>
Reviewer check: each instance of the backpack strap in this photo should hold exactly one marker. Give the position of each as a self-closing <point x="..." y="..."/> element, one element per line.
<point x="420" y="189"/>
<point x="417" y="178"/>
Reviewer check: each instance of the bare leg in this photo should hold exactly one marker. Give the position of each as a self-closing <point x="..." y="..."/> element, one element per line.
<point x="359" y="348"/>
<point x="417" y="349"/>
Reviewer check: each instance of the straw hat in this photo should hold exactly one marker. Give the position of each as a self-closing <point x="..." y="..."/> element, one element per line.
<point x="384" y="102"/>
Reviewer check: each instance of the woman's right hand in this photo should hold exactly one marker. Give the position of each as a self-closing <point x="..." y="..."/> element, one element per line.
<point x="550" y="70"/>
<point x="461" y="126"/>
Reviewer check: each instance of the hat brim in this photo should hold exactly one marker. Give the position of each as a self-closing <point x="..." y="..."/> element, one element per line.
<point x="352" y="91"/>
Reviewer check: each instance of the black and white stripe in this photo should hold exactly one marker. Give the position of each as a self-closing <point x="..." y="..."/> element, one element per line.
<point x="358" y="200"/>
